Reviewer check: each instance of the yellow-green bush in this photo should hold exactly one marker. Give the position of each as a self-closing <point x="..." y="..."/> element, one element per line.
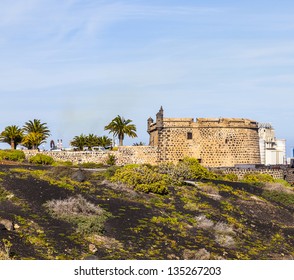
<point x="258" y="178"/>
<point x="41" y="159"/>
<point x="187" y="169"/>
<point x="142" y="178"/>
<point x="14" y="155"/>
<point x="230" y="177"/>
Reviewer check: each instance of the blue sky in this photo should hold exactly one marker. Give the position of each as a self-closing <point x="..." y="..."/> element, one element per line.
<point x="76" y="64"/>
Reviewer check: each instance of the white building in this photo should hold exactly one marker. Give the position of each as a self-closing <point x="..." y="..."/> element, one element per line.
<point x="272" y="150"/>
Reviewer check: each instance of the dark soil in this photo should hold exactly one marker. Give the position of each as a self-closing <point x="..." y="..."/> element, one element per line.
<point x="143" y="226"/>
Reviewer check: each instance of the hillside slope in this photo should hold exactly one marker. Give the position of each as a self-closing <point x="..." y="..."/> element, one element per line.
<point x="203" y="220"/>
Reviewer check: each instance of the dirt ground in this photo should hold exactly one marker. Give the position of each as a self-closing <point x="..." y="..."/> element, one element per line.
<point x="143" y="226"/>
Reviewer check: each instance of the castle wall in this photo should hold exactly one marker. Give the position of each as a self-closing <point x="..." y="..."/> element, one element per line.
<point x="276" y="173"/>
<point x="124" y="155"/>
<point x="228" y="146"/>
<point x="215" y="142"/>
<point x="173" y="142"/>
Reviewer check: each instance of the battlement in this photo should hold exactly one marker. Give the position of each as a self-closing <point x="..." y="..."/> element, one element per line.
<point x="227" y="122"/>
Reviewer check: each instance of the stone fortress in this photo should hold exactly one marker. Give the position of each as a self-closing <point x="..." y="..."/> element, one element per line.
<point x="214" y="142"/>
<point x="232" y="145"/>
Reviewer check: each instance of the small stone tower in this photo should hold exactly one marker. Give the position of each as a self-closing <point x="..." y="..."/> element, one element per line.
<point x="149" y="123"/>
<point x="159" y="119"/>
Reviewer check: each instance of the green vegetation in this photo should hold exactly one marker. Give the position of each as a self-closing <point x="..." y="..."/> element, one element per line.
<point x="12" y="135"/>
<point x="284" y="198"/>
<point x="121" y="127"/>
<point x="35" y="134"/>
<point x="13" y="155"/>
<point x="111" y="160"/>
<point x="82" y="141"/>
<point x="91" y="165"/>
<point x="5" y="254"/>
<point x="154" y="215"/>
<point x="187" y="169"/>
<point x="257" y="178"/>
<point x="142" y="178"/>
<point x="88" y="217"/>
<point x="41" y="159"/>
<point x="4" y="194"/>
<point x="231" y="177"/>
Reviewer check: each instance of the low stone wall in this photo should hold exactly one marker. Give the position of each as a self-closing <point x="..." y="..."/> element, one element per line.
<point x="124" y="155"/>
<point x="74" y="157"/>
<point x="136" y="154"/>
<point x="240" y="172"/>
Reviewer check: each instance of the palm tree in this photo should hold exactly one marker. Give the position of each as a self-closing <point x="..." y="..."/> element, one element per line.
<point x="79" y="141"/>
<point x="104" y="141"/>
<point x="33" y="140"/>
<point x="139" y="144"/>
<point x="36" y="133"/>
<point x="12" y="135"/>
<point x="119" y="127"/>
<point x="92" y="140"/>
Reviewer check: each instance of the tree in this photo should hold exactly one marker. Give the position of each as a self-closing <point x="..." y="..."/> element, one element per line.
<point x="91" y="141"/>
<point x="139" y="144"/>
<point x="36" y="134"/>
<point x="104" y="141"/>
<point x="12" y="135"/>
<point x="79" y="141"/>
<point x="33" y="140"/>
<point x="121" y="127"/>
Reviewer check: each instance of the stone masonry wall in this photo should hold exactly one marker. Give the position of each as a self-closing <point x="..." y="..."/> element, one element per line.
<point x="227" y="146"/>
<point x="124" y="155"/>
<point x="173" y="144"/>
<point x="215" y="142"/>
<point x="276" y="173"/>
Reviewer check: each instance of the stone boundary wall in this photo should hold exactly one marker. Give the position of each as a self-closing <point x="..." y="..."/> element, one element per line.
<point x="124" y="155"/>
<point x="240" y="172"/>
<point x="136" y="154"/>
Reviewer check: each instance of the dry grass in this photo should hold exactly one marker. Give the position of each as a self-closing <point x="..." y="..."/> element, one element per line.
<point x="223" y="228"/>
<point x="73" y="206"/>
<point x="209" y="189"/>
<point x="105" y="242"/>
<point x="3" y="255"/>
<point x="278" y="187"/>
<point x="201" y="254"/>
<point x="203" y="222"/>
<point x="225" y="240"/>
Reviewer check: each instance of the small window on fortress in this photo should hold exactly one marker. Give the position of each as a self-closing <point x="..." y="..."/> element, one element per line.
<point x="189" y="135"/>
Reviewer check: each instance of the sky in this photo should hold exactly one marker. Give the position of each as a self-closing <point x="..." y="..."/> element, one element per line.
<point x="77" y="64"/>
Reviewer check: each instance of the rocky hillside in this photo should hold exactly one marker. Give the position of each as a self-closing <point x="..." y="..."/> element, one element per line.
<point x="67" y="213"/>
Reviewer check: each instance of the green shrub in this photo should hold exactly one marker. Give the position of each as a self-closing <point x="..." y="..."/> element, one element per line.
<point x="111" y="160"/>
<point x="3" y="193"/>
<point x="110" y="171"/>
<point x="88" y="217"/>
<point x="187" y="169"/>
<point x="14" y="155"/>
<point x="41" y="159"/>
<point x="142" y="178"/>
<point x="258" y="178"/>
<point x="231" y="177"/>
<point x="62" y="163"/>
<point x="280" y="197"/>
<point x="91" y="165"/>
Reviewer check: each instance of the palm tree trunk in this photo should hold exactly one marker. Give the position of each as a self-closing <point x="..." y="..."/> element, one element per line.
<point x="12" y="144"/>
<point x="121" y="141"/>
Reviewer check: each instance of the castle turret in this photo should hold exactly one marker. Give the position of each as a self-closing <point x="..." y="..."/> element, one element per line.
<point x="149" y="123"/>
<point x="159" y="119"/>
